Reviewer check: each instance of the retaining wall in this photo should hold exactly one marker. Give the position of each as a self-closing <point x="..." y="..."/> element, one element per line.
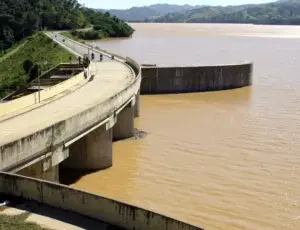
<point x="160" y="80"/>
<point x="109" y="211"/>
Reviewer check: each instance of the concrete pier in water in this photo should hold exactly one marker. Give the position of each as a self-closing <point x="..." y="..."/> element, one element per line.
<point x="125" y="123"/>
<point x="92" y="152"/>
<point x="186" y="79"/>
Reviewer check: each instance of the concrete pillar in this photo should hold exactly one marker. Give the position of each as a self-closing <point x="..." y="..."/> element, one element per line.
<point x="137" y="105"/>
<point x="92" y="152"/>
<point x="37" y="171"/>
<point x="52" y="174"/>
<point x="124" y="127"/>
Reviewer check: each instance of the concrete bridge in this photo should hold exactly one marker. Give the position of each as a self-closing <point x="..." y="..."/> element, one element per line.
<point x="76" y="130"/>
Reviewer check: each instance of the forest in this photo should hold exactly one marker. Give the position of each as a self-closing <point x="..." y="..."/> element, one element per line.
<point x="283" y="12"/>
<point x="21" y="18"/>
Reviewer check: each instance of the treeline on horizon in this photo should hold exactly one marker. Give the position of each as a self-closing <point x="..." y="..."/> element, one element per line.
<point x="21" y="18"/>
<point x="285" y="12"/>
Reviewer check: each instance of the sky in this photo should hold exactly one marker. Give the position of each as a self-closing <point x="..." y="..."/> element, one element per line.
<point x="125" y="4"/>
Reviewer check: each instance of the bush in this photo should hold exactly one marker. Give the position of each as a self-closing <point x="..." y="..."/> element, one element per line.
<point x="27" y="65"/>
<point x="34" y="73"/>
<point x="87" y="35"/>
<point x="97" y="27"/>
<point x="74" y="32"/>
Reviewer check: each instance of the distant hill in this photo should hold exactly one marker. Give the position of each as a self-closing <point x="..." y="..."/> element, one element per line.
<point x="148" y="12"/>
<point x="279" y="12"/>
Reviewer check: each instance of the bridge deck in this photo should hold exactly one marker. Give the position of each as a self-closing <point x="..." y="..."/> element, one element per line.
<point x="110" y="78"/>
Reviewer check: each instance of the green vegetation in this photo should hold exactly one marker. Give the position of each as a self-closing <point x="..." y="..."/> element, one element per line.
<point x="39" y="53"/>
<point x="69" y="35"/>
<point x="104" y="26"/>
<point x="17" y="223"/>
<point x="20" y="18"/>
<point x="280" y="12"/>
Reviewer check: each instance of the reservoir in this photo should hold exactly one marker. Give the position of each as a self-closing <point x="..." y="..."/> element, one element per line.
<point x="223" y="160"/>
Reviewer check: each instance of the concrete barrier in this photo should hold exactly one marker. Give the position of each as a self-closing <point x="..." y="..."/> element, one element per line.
<point x="33" y="98"/>
<point x="160" y="80"/>
<point x="138" y="71"/>
<point x="107" y="210"/>
<point x="136" y="66"/>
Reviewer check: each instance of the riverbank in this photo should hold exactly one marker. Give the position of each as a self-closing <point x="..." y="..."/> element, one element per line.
<point x="68" y="34"/>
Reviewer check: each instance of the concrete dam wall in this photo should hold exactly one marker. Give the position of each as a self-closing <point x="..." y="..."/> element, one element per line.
<point x="104" y="209"/>
<point x="164" y="80"/>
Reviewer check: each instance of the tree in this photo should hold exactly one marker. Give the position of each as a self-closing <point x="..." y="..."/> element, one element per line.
<point x="33" y="73"/>
<point x="27" y="65"/>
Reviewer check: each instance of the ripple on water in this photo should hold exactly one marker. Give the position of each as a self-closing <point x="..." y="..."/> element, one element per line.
<point x="224" y="160"/>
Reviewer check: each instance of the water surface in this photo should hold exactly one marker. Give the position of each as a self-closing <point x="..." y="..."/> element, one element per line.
<point x="223" y="160"/>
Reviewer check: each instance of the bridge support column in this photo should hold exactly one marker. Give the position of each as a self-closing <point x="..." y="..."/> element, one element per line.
<point x="137" y="105"/>
<point x="37" y="171"/>
<point x="92" y="152"/>
<point x="125" y="124"/>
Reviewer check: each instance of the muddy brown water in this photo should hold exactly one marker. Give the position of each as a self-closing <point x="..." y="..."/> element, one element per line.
<point x="223" y="160"/>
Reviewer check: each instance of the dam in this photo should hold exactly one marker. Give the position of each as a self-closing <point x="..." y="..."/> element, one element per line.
<point x="80" y="135"/>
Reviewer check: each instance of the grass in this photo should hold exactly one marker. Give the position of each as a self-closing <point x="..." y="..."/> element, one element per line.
<point x="40" y="49"/>
<point x="4" y="53"/>
<point x="17" y="223"/>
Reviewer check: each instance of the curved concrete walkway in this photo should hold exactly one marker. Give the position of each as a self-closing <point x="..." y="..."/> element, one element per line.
<point x="110" y="78"/>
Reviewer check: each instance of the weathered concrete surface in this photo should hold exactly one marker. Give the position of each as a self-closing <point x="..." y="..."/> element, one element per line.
<point x="124" y="127"/>
<point x="52" y="218"/>
<point x="109" y="211"/>
<point x="160" y="80"/>
<point x="137" y="105"/>
<point x="45" y="129"/>
<point x="41" y="170"/>
<point x="91" y="152"/>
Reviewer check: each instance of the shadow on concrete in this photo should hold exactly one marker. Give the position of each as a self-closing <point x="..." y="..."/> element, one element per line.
<point x="92" y="78"/>
<point x="55" y="214"/>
